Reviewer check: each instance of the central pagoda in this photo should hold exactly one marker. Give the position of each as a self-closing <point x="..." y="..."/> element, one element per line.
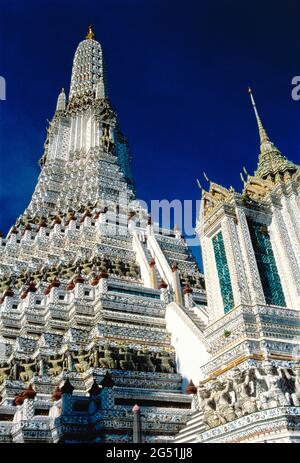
<point x="86" y="280"/>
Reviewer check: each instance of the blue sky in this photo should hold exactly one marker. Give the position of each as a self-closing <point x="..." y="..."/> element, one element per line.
<point x="178" y="74"/>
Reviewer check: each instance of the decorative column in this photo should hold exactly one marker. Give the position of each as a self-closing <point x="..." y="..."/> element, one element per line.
<point x="212" y="285"/>
<point x="56" y="407"/>
<point x="27" y="234"/>
<point x="192" y="390"/>
<point x="235" y="261"/>
<point x="188" y="298"/>
<point x="13" y="236"/>
<point x="103" y="276"/>
<point x="177" y="284"/>
<point x="42" y="231"/>
<point x="78" y="282"/>
<point x="251" y="269"/>
<point x="287" y="262"/>
<point x="149" y="228"/>
<point x="164" y="294"/>
<point x="291" y="214"/>
<point x="153" y="279"/>
<point x="87" y="219"/>
<point x="137" y="424"/>
<point x="72" y="224"/>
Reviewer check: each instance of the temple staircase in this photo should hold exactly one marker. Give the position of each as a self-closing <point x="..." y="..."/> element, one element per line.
<point x="194" y="315"/>
<point x="149" y="258"/>
<point x="192" y="429"/>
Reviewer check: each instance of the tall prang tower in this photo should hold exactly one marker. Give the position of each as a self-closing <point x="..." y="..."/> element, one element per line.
<point x="93" y="294"/>
<point x="86" y="160"/>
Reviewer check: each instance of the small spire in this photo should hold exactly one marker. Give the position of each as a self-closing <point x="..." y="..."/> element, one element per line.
<point x="107" y="381"/>
<point x="90" y="35"/>
<point x="191" y="388"/>
<point x="271" y="163"/>
<point x="245" y="171"/>
<point x="67" y="387"/>
<point x="206" y="177"/>
<point x="199" y="185"/>
<point x="61" y="101"/>
<point x="95" y="389"/>
<point x="262" y="133"/>
<point x="242" y="178"/>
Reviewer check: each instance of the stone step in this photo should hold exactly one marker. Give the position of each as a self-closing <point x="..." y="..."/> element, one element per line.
<point x="198" y="322"/>
<point x="193" y="427"/>
<point x="149" y="258"/>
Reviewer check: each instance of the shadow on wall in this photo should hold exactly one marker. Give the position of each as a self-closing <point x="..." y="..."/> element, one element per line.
<point x="185" y="380"/>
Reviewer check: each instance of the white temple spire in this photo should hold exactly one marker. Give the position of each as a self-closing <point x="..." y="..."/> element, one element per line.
<point x="61" y="101"/>
<point x="87" y="68"/>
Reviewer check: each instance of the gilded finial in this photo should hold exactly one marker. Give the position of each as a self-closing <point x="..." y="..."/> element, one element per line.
<point x="90" y="35"/>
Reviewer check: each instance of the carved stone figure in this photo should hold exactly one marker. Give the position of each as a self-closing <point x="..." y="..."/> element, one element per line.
<point x="29" y="369"/>
<point x="222" y="399"/>
<point x="14" y="370"/>
<point x="165" y="363"/>
<point x="4" y="371"/>
<point x="106" y="138"/>
<point x="106" y="359"/>
<point x="80" y="363"/>
<point x="94" y="357"/>
<point x="144" y="362"/>
<point x="118" y="267"/>
<point x="295" y="382"/>
<point x="243" y="404"/>
<point x="56" y="362"/>
<point x="134" y="270"/>
<point x="68" y="364"/>
<point x="274" y="395"/>
<point x="210" y="417"/>
<point x="126" y="359"/>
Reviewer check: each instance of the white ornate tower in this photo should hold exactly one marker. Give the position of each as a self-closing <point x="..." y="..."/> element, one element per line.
<point x="86" y="158"/>
<point x="85" y="280"/>
<point x="250" y="245"/>
<point x="250" y="241"/>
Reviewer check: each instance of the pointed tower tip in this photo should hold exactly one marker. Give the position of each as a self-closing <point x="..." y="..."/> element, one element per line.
<point x="262" y="133"/>
<point x="90" y="35"/>
<point x="61" y="101"/>
<point x="271" y="161"/>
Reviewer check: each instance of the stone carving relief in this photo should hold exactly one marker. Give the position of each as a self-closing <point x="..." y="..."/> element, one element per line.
<point x="103" y="356"/>
<point x="248" y="391"/>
